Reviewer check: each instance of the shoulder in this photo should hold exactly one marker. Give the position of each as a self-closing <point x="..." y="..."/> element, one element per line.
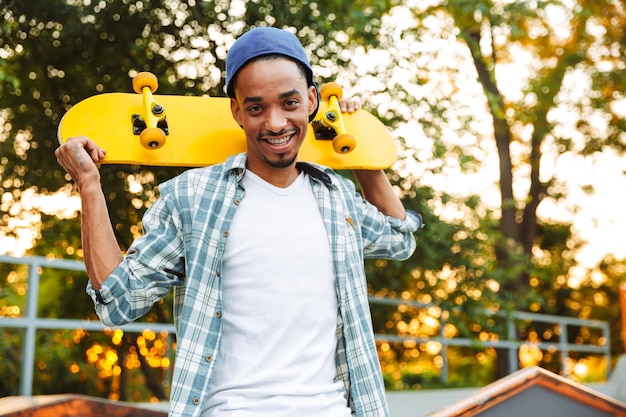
<point x="210" y="177"/>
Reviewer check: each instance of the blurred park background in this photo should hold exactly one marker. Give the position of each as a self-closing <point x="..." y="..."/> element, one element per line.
<point x="510" y="123"/>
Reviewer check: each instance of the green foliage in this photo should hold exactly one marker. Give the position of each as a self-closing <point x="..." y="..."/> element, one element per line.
<point x="13" y="286"/>
<point x="12" y="283"/>
<point x="57" y="53"/>
<point x="92" y="47"/>
<point x="11" y="342"/>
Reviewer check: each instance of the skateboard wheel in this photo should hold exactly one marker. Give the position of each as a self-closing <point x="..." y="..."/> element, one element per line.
<point x="152" y="138"/>
<point x="331" y="89"/>
<point x="344" y="143"/>
<point x="145" y="79"/>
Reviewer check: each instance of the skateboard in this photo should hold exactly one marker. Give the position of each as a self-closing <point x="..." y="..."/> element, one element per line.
<point x="144" y="128"/>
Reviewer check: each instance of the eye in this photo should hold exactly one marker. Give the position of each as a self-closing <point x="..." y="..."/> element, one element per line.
<point x="255" y="108"/>
<point x="292" y="102"/>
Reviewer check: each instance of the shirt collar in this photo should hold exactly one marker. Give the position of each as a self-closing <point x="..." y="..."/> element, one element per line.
<point x="236" y="165"/>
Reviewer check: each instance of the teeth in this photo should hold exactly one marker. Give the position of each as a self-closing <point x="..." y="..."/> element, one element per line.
<point x="278" y="141"/>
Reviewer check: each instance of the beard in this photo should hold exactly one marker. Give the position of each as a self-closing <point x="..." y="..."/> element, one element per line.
<point x="283" y="162"/>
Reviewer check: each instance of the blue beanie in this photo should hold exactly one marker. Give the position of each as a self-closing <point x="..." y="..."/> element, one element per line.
<point x="265" y="41"/>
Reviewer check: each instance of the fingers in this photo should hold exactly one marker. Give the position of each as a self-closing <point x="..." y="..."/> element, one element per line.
<point x="95" y="152"/>
<point x="349" y="105"/>
<point x="76" y="146"/>
<point x="79" y="156"/>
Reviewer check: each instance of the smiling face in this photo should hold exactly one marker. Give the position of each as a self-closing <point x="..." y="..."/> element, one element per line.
<point x="273" y="104"/>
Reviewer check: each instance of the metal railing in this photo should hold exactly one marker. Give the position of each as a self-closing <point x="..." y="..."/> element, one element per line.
<point x="30" y="323"/>
<point x="510" y="343"/>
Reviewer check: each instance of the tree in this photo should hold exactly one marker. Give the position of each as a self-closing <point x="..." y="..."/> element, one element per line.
<point x="560" y="42"/>
<point x="436" y="56"/>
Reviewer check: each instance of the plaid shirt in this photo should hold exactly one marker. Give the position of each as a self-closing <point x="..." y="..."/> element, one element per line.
<point x="185" y="232"/>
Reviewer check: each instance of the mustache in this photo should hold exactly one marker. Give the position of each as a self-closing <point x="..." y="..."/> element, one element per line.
<point x="282" y="132"/>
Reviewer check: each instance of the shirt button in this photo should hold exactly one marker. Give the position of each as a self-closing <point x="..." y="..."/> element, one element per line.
<point x="237" y="202"/>
<point x="208" y="358"/>
<point x="218" y="273"/>
<point x="225" y="233"/>
<point x="196" y="400"/>
<point x="218" y="314"/>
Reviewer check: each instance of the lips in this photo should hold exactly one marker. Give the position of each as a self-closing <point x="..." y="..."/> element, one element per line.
<point x="281" y="139"/>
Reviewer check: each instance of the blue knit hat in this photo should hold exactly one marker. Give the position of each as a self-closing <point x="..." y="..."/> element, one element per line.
<point x="265" y="41"/>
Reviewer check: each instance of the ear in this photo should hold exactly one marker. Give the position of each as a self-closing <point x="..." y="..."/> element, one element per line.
<point x="313" y="96"/>
<point x="235" y="109"/>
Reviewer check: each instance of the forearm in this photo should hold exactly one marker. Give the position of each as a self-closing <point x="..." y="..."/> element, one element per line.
<point x="101" y="250"/>
<point x="377" y="189"/>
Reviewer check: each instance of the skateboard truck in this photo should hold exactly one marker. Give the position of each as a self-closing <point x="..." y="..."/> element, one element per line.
<point x="152" y="125"/>
<point x="330" y="126"/>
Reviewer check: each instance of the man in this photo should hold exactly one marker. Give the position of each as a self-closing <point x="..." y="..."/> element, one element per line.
<point x="264" y="255"/>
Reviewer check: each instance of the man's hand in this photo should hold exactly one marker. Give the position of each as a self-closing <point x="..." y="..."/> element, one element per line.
<point x="79" y="156"/>
<point x="349" y="105"/>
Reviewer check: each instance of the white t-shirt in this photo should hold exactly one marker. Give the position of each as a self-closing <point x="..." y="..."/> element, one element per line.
<point x="277" y="352"/>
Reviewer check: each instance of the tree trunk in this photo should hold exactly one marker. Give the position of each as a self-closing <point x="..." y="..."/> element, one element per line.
<point x="509" y="227"/>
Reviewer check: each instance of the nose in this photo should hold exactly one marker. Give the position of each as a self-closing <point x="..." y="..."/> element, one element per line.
<point x="275" y="120"/>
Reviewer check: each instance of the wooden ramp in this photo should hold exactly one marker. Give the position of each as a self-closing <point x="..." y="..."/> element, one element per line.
<point x="534" y="391"/>
<point x="72" y="405"/>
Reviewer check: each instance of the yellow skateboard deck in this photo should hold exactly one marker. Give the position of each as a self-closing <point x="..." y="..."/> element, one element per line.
<point x="168" y="130"/>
